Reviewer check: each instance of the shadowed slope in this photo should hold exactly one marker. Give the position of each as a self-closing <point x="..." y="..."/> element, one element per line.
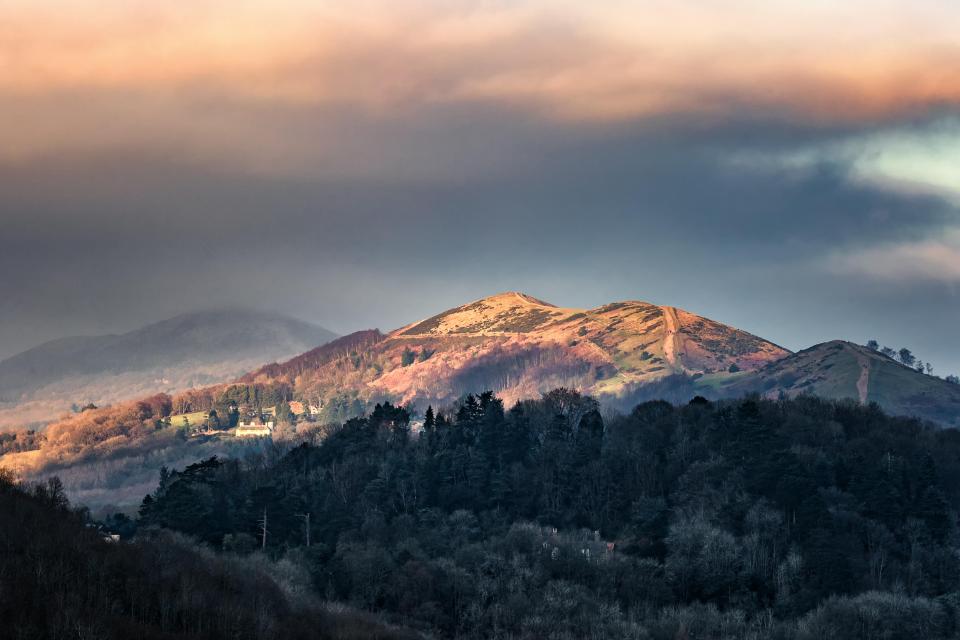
<point x="839" y="369"/>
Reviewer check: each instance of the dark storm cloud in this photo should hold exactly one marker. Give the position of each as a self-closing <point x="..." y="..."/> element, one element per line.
<point x="399" y="219"/>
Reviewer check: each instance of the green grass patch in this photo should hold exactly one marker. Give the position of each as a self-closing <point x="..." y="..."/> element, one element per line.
<point x="188" y="419"/>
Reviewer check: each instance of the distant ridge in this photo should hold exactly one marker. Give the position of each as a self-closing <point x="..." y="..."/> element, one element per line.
<point x="184" y="351"/>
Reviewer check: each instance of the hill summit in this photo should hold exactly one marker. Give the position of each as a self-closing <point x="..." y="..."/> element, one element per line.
<point x="838" y="369"/>
<point x="519" y="346"/>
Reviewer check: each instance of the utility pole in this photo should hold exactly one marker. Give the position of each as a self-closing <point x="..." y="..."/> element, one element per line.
<point x="263" y="527"/>
<point x="306" y="524"/>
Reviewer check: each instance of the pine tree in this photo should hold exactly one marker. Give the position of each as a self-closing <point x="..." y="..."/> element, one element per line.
<point x="428" y="420"/>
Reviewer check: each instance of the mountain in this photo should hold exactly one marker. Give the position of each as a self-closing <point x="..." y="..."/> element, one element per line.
<point x="182" y="352"/>
<point x="519" y="346"/>
<point x="513" y="344"/>
<point x="839" y="369"/>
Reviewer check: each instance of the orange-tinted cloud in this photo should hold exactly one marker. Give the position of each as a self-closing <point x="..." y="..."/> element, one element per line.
<point x="617" y="58"/>
<point x="72" y="69"/>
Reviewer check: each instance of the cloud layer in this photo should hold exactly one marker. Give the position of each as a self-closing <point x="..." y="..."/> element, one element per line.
<point x="786" y="167"/>
<point x="83" y="73"/>
<point x="932" y="260"/>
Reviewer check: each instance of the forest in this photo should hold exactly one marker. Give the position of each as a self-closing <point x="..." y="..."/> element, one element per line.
<point x="794" y="518"/>
<point x="62" y="577"/>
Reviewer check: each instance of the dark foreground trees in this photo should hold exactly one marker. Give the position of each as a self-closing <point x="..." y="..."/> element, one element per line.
<point x="794" y="519"/>
<point x="751" y="519"/>
<point x="59" y="578"/>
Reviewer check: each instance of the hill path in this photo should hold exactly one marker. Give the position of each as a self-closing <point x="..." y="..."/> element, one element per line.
<point x="670" y="339"/>
<point x="863" y="382"/>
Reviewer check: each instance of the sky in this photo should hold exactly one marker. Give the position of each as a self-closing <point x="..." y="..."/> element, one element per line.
<point x="790" y="168"/>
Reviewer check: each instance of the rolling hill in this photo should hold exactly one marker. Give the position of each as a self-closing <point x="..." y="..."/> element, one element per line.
<point x="839" y="369"/>
<point x="519" y="346"/>
<point x="187" y="351"/>
<point x="621" y="353"/>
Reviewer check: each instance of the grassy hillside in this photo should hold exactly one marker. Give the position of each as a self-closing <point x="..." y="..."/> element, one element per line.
<point x="519" y="347"/>
<point x="841" y="369"/>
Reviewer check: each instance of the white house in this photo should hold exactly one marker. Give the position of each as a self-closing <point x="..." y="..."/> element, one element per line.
<point x="254" y="429"/>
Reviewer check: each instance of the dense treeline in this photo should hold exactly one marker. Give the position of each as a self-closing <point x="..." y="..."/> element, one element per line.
<point x="795" y="518"/>
<point x="315" y="358"/>
<point x="59" y="578"/>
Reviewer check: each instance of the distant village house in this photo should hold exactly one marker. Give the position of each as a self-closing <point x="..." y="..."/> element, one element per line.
<point x="254" y="429"/>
